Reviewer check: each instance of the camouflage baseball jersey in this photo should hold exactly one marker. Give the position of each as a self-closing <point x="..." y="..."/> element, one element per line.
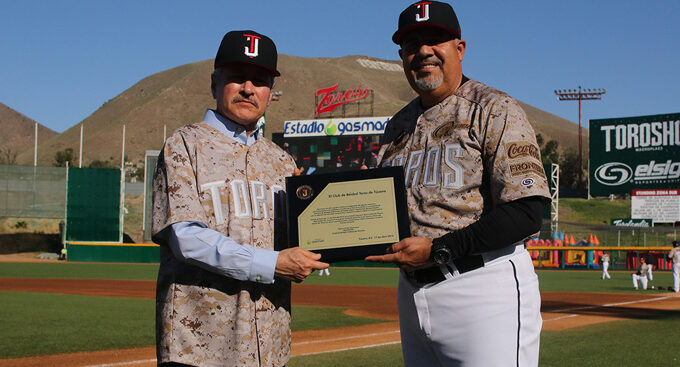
<point x="463" y="156"/>
<point x="202" y="318"/>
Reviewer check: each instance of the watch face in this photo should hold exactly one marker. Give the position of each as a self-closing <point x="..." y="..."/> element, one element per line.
<point x="441" y="256"/>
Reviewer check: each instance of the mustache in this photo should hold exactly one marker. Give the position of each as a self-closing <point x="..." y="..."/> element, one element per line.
<point x="237" y="99"/>
<point x="417" y="62"/>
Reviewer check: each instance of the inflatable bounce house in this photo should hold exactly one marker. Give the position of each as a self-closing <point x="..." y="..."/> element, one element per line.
<point x="589" y="259"/>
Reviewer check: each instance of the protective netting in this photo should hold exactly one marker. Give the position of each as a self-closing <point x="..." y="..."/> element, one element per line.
<point x="32" y="192"/>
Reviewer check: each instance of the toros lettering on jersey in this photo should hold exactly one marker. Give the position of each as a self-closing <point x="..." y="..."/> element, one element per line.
<point x="430" y="164"/>
<point x="250" y="200"/>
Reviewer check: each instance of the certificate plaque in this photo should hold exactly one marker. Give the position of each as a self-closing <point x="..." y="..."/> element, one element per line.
<point x="347" y="215"/>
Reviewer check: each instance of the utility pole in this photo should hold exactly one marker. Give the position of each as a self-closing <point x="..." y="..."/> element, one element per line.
<point x="579" y="95"/>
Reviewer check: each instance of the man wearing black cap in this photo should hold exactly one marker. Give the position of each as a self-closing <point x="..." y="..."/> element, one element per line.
<point x="223" y="292"/>
<point x="468" y="294"/>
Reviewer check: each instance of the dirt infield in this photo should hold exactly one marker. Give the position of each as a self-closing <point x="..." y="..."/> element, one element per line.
<point x="560" y="311"/>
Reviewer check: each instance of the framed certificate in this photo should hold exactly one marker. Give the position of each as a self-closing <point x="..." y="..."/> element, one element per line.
<point x="347" y="215"/>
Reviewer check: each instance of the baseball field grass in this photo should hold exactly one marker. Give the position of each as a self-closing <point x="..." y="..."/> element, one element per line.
<point x="38" y="323"/>
<point x="649" y="343"/>
<point x="41" y="323"/>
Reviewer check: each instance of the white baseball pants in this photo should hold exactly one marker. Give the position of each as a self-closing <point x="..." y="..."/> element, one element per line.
<point x="676" y="277"/>
<point x="641" y="279"/>
<point x="486" y="317"/>
<point x="605" y="267"/>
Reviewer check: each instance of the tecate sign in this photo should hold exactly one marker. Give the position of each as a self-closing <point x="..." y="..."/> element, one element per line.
<point x="335" y="127"/>
<point x="617" y="173"/>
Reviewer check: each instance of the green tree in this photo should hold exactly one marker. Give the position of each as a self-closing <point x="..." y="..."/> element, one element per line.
<point x="101" y="164"/>
<point x="569" y="171"/>
<point x="8" y="157"/>
<point x="549" y="153"/>
<point x="63" y="156"/>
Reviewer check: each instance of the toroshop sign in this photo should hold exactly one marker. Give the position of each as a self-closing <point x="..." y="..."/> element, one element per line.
<point x="330" y="99"/>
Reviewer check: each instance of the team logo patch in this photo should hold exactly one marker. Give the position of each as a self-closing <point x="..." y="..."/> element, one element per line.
<point x="252" y="50"/>
<point x="528" y="181"/>
<point x="304" y="192"/>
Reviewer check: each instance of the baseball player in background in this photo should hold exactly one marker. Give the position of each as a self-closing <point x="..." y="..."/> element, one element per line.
<point x="605" y="266"/>
<point x="642" y="274"/>
<point x="674" y="255"/>
<point x="468" y="294"/>
<point x="223" y="293"/>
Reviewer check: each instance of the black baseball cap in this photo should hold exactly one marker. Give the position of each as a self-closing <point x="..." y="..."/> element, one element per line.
<point x="247" y="47"/>
<point x="433" y="14"/>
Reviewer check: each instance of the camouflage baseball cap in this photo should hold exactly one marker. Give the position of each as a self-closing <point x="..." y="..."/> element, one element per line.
<point x="423" y="14"/>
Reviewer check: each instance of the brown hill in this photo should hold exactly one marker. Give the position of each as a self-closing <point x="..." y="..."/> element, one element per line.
<point x="18" y="133"/>
<point x="180" y="95"/>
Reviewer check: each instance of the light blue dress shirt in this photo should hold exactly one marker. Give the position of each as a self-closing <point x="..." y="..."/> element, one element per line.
<point x="198" y="245"/>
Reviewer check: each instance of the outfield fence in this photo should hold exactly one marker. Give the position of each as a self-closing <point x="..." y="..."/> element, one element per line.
<point x="32" y="192"/>
<point x="590" y="257"/>
<point x="608" y="235"/>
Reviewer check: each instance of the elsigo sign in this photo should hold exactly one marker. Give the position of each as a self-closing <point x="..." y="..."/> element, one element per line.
<point x="329" y="99"/>
<point x="334" y="127"/>
<point x="634" y="153"/>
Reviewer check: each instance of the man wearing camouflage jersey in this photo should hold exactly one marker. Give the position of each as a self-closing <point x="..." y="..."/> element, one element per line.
<point x="223" y="293"/>
<point x="468" y="294"/>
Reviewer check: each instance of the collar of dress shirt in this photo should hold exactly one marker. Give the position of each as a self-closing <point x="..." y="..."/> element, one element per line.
<point x="230" y="128"/>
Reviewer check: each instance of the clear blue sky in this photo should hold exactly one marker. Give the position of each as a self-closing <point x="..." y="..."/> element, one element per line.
<point x="61" y="60"/>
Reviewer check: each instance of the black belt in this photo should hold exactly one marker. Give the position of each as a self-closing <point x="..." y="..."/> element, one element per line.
<point x="434" y="274"/>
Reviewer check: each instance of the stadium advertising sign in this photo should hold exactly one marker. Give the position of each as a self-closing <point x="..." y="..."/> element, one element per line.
<point x="335" y="127"/>
<point x="662" y="206"/>
<point x="633" y="223"/>
<point x="634" y="153"/>
<point x="329" y="99"/>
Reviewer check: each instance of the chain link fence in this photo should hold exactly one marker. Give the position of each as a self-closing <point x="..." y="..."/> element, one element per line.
<point x="32" y="192"/>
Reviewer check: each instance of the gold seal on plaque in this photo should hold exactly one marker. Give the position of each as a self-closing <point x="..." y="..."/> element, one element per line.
<point x="304" y="192"/>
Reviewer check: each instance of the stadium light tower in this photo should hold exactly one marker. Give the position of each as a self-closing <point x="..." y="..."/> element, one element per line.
<point x="580" y="95"/>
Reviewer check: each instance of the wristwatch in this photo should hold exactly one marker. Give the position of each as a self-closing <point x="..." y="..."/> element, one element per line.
<point x="440" y="254"/>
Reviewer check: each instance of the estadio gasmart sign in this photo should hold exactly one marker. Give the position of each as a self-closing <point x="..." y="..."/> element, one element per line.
<point x="634" y="153"/>
<point x="335" y="127"/>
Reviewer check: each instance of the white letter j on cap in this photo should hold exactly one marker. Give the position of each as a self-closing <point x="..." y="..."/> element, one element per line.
<point x="424" y="11"/>
<point x="252" y="49"/>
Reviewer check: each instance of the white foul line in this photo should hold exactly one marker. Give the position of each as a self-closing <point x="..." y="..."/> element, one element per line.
<point x="350" y="348"/>
<point x="602" y="306"/>
<point x="346" y="338"/>
<point x="300" y="343"/>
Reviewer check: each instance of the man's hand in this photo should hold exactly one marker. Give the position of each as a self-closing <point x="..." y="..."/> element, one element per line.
<point x="296" y="264"/>
<point x="409" y="254"/>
